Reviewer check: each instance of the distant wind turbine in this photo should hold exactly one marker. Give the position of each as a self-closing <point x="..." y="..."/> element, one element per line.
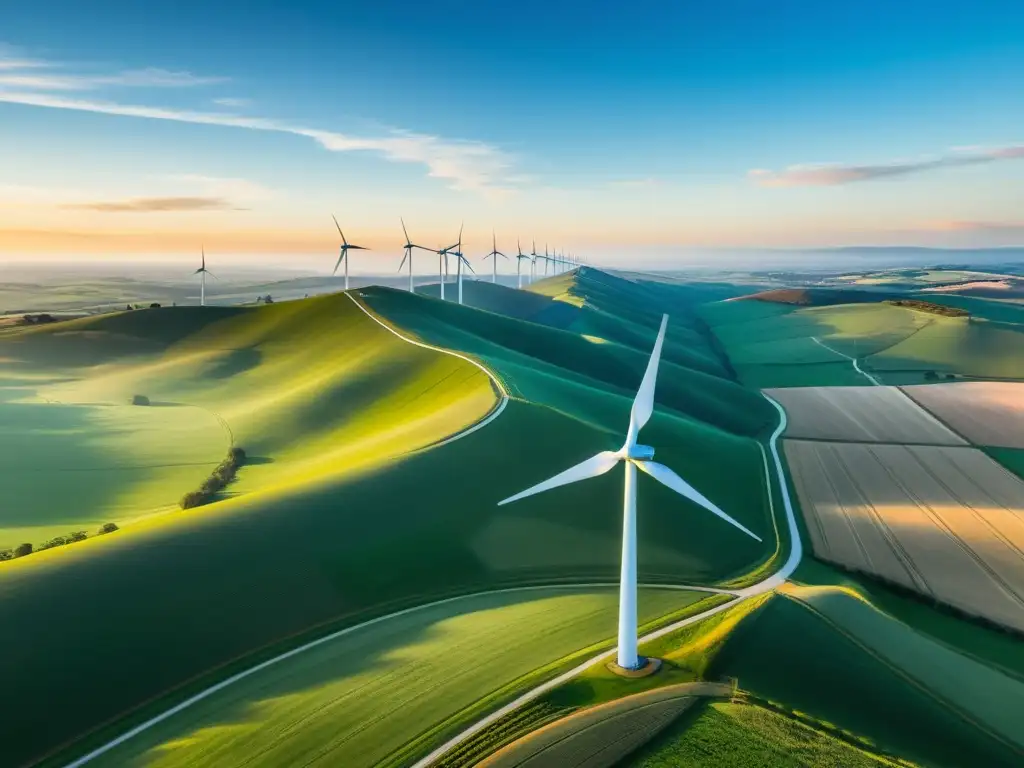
<point x="493" y="256"/>
<point x="343" y="254"/>
<point x="632" y="455"/>
<point x="460" y="260"/>
<point x="202" y="285"/>
<point x="519" y="264"/>
<point x="409" y="245"/>
<point x="533" y="264"/>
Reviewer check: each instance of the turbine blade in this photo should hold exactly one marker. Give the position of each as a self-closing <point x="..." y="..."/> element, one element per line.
<point x="339" y="229"/>
<point x="643" y="405"/>
<point x="403" y="261"/>
<point x="211" y="274"/>
<point x="404" y="232"/>
<point x="338" y="263"/>
<point x="670" y="479"/>
<point x="592" y="467"/>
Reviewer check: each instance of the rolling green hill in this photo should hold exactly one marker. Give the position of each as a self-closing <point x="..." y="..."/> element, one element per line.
<point x="340" y="518"/>
<point x="863" y="672"/>
<point x="773" y="344"/>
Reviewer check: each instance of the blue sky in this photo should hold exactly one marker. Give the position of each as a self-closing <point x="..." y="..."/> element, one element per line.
<point x="629" y="130"/>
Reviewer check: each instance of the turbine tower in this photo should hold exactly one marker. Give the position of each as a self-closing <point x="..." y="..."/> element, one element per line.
<point x="460" y="260"/>
<point x="409" y="245"/>
<point x="493" y="256"/>
<point x="533" y="263"/>
<point x="202" y="284"/>
<point x="633" y="456"/>
<point x="519" y="265"/>
<point x="343" y="254"/>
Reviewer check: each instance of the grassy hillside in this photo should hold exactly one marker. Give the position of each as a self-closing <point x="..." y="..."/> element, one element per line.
<point x="339" y="521"/>
<point x="409" y="674"/>
<point x="734" y="735"/>
<point x="270" y="379"/>
<point x="797" y="658"/>
<point x="771" y="344"/>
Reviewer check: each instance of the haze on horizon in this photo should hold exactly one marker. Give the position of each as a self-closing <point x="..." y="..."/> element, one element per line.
<point x="650" y="135"/>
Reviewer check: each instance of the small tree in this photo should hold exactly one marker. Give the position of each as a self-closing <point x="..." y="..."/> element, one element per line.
<point x="6" y="554"/>
<point x="22" y="549"/>
<point x="140" y="400"/>
<point x="931" y="376"/>
<point x="107" y="528"/>
<point x="154" y="305"/>
<point x="76" y="536"/>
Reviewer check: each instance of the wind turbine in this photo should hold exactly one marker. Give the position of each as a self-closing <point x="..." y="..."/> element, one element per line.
<point x="533" y="264"/>
<point x="547" y="259"/>
<point x="202" y="285"/>
<point x="633" y="456"/>
<point x="493" y="256"/>
<point x="460" y="260"/>
<point x="409" y="245"/>
<point x="519" y="264"/>
<point x="345" y="248"/>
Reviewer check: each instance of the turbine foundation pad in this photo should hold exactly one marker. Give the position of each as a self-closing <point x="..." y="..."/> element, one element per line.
<point x="646" y="669"/>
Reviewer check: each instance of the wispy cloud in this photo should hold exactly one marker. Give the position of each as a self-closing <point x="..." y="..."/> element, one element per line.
<point x="232" y="103"/>
<point x="834" y="174"/>
<point x="465" y="165"/>
<point x="155" y="205"/>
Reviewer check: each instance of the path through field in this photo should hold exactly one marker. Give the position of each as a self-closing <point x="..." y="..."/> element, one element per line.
<point x="856" y="364"/>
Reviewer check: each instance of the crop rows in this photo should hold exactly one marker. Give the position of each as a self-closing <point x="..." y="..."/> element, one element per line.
<point x="946" y="522"/>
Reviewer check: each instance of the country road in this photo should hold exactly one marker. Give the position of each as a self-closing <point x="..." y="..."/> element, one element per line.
<point x="856" y="363"/>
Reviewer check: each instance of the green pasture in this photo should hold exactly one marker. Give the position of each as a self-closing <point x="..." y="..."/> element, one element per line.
<point x="309" y="389"/>
<point x="335" y="519"/>
<point x="987" y="309"/>
<point x="364" y="698"/>
<point x="986" y="645"/>
<point x="727" y="735"/>
<point x="792" y="656"/>
<point x="964" y="346"/>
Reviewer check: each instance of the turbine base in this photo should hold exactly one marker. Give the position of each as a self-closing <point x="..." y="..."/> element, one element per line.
<point x="648" y="666"/>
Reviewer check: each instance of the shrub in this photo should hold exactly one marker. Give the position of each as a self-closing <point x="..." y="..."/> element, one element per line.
<point x="193" y="499"/>
<point x="22" y="549"/>
<point x="107" y="528"/>
<point x="221" y="476"/>
<point x="140" y="400"/>
<point x="930" y="376"/>
<point x="76" y="536"/>
<point x="950" y="376"/>
<point x="6" y="554"/>
<point x="154" y="305"/>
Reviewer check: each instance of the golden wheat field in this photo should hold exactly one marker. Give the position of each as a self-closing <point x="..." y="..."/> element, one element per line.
<point x="985" y="412"/>
<point x="945" y="521"/>
<point x="863" y="414"/>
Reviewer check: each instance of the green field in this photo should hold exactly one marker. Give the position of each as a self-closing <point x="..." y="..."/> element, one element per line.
<point x="335" y="520"/>
<point x="259" y="377"/>
<point x="772" y="345"/>
<point x="361" y="699"/>
<point x="728" y="735"/>
<point x="793" y="656"/>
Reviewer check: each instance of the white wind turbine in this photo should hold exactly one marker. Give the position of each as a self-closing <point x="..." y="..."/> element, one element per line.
<point x="533" y="264"/>
<point x="345" y="248"/>
<point x="519" y="264"/>
<point x="493" y="256"/>
<point x="202" y="285"/>
<point x="409" y="245"/>
<point x="460" y="259"/>
<point x="632" y="455"/>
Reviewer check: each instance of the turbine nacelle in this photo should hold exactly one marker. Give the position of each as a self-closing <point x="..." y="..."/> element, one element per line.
<point x="638" y="452"/>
